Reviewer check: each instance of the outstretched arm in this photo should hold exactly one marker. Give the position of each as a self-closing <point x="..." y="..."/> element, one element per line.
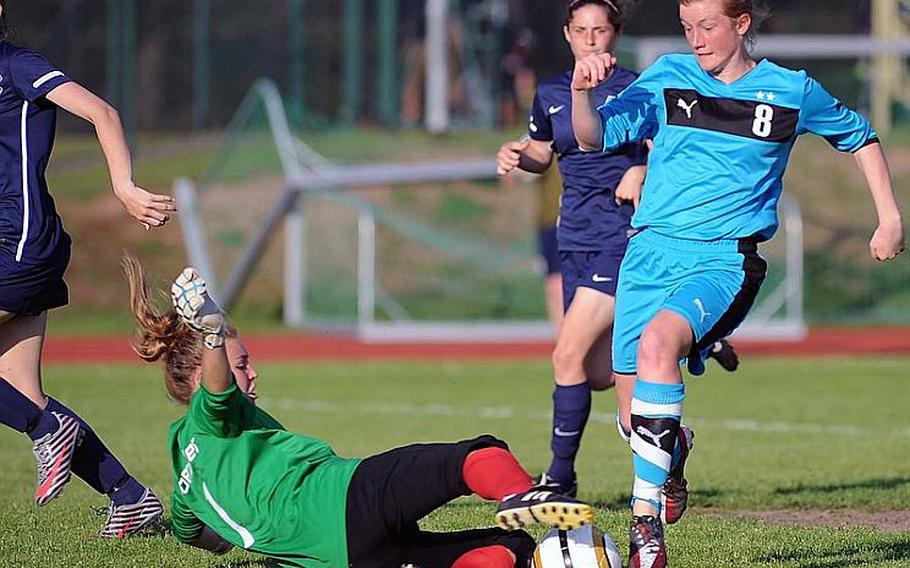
<point x="589" y="72"/>
<point x="216" y="371"/>
<point x="198" y="310"/>
<point x="888" y="240"/>
<point x="148" y="208"/>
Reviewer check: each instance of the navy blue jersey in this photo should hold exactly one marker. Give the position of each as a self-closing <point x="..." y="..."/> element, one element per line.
<point x="589" y="218"/>
<point x="720" y="150"/>
<point x="30" y="229"/>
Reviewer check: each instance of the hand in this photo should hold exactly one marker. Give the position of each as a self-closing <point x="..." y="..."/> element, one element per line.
<point x="196" y="308"/>
<point x="628" y="192"/>
<point x="150" y="209"/>
<point x="591" y="71"/>
<point x="887" y="241"/>
<point x="509" y="155"/>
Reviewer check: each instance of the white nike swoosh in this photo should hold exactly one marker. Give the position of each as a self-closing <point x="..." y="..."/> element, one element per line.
<point x="563" y="434"/>
<point x="555" y="109"/>
<point x="599" y="278"/>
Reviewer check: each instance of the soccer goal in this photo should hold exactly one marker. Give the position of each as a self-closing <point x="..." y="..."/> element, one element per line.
<point x="432" y="250"/>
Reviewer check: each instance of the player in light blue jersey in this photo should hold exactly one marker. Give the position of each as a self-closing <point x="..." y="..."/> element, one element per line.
<point x="723" y="126"/>
<point x="592" y="230"/>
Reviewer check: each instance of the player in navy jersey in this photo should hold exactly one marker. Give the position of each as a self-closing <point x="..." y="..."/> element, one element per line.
<point x="723" y="126"/>
<point x="592" y="231"/>
<point x="34" y="253"/>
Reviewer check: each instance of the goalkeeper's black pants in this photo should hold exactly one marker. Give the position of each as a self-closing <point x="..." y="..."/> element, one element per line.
<point x="391" y="491"/>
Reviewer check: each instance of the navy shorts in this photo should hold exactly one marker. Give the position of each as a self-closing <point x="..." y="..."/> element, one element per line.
<point x="548" y="249"/>
<point x="32" y="288"/>
<point x="590" y="269"/>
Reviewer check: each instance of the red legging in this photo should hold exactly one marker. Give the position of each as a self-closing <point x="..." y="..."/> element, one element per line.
<point x="496" y="556"/>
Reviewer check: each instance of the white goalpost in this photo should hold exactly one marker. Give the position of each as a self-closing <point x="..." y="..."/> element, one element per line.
<point x="308" y="179"/>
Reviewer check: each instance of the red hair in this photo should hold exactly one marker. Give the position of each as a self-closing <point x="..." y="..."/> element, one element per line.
<point x="757" y="10"/>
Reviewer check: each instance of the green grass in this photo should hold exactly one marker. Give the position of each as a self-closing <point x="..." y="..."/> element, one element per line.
<point x="779" y="434"/>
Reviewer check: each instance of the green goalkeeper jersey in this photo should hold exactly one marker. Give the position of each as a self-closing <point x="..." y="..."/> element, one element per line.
<point x="260" y="487"/>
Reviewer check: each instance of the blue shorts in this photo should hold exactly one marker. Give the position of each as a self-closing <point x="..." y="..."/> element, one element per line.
<point x="590" y="269"/>
<point x="548" y="249"/>
<point x="712" y="284"/>
<point x="32" y="288"/>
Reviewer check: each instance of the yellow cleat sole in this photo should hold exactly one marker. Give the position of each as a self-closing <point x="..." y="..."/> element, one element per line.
<point x="562" y="517"/>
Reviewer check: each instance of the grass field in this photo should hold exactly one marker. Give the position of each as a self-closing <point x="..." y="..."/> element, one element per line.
<point x="811" y="434"/>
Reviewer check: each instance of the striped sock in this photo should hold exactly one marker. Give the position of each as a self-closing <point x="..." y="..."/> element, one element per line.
<point x="656" y="413"/>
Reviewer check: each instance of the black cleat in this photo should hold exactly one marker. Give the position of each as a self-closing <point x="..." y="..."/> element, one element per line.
<point x="551" y="484"/>
<point x="722" y="352"/>
<point x="540" y="505"/>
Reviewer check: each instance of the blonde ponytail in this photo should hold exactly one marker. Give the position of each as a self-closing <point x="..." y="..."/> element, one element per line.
<point x="164" y="335"/>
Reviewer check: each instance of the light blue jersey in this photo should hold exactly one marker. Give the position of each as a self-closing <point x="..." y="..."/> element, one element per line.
<point x="720" y="151"/>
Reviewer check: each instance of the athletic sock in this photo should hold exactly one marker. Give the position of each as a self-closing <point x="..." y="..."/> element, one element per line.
<point x="571" y="408"/>
<point x="494" y="473"/>
<point x="656" y="413"/>
<point x="626" y="435"/>
<point x="16" y="410"/>
<point x="96" y="465"/>
<point x="496" y="556"/>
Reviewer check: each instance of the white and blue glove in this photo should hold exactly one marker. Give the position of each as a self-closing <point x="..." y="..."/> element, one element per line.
<point x="197" y="309"/>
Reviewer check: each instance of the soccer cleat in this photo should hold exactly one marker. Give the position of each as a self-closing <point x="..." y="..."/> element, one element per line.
<point x="722" y="352"/>
<point x="550" y="484"/>
<point x="674" y="495"/>
<point x="540" y="505"/>
<point x="646" y="543"/>
<point x="54" y="454"/>
<point x="126" y="520"/>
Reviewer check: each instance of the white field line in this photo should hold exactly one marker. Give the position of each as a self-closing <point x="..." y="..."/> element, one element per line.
<point x="510" y="413"/>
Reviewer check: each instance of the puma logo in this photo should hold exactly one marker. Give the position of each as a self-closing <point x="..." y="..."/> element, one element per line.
<point x="687" y="106"/>
<point x="705" y="314"/>
<point x="655" y="438"/>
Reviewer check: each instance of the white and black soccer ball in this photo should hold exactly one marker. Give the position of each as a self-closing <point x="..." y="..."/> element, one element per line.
<point x="585" y="547"/>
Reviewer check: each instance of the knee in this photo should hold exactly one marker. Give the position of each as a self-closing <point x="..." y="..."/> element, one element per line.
<point x="568" y="361"/>
<point x="657" y="348"/>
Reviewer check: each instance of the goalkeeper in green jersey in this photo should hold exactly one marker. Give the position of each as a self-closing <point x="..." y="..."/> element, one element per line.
<point x="241" y="479"/>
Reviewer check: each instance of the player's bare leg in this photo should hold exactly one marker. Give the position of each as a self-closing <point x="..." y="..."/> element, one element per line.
<point x="656" y="411"/>
<point x="21" y="341"/>
<point x="587" y="326"/>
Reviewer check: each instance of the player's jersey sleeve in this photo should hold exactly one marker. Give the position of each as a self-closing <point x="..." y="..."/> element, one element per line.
<point x="639" y="153"/>
<point x="33" y="76"/>
<point x="226" y="414"/>
<point x="539" y="126"/>
<point x="824" y="115"/>
<point x="632" y="115"/>
<point x="187" y="527"/>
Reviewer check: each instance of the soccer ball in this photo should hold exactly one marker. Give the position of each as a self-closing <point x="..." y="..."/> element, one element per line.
<point x="585" y="547"/>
